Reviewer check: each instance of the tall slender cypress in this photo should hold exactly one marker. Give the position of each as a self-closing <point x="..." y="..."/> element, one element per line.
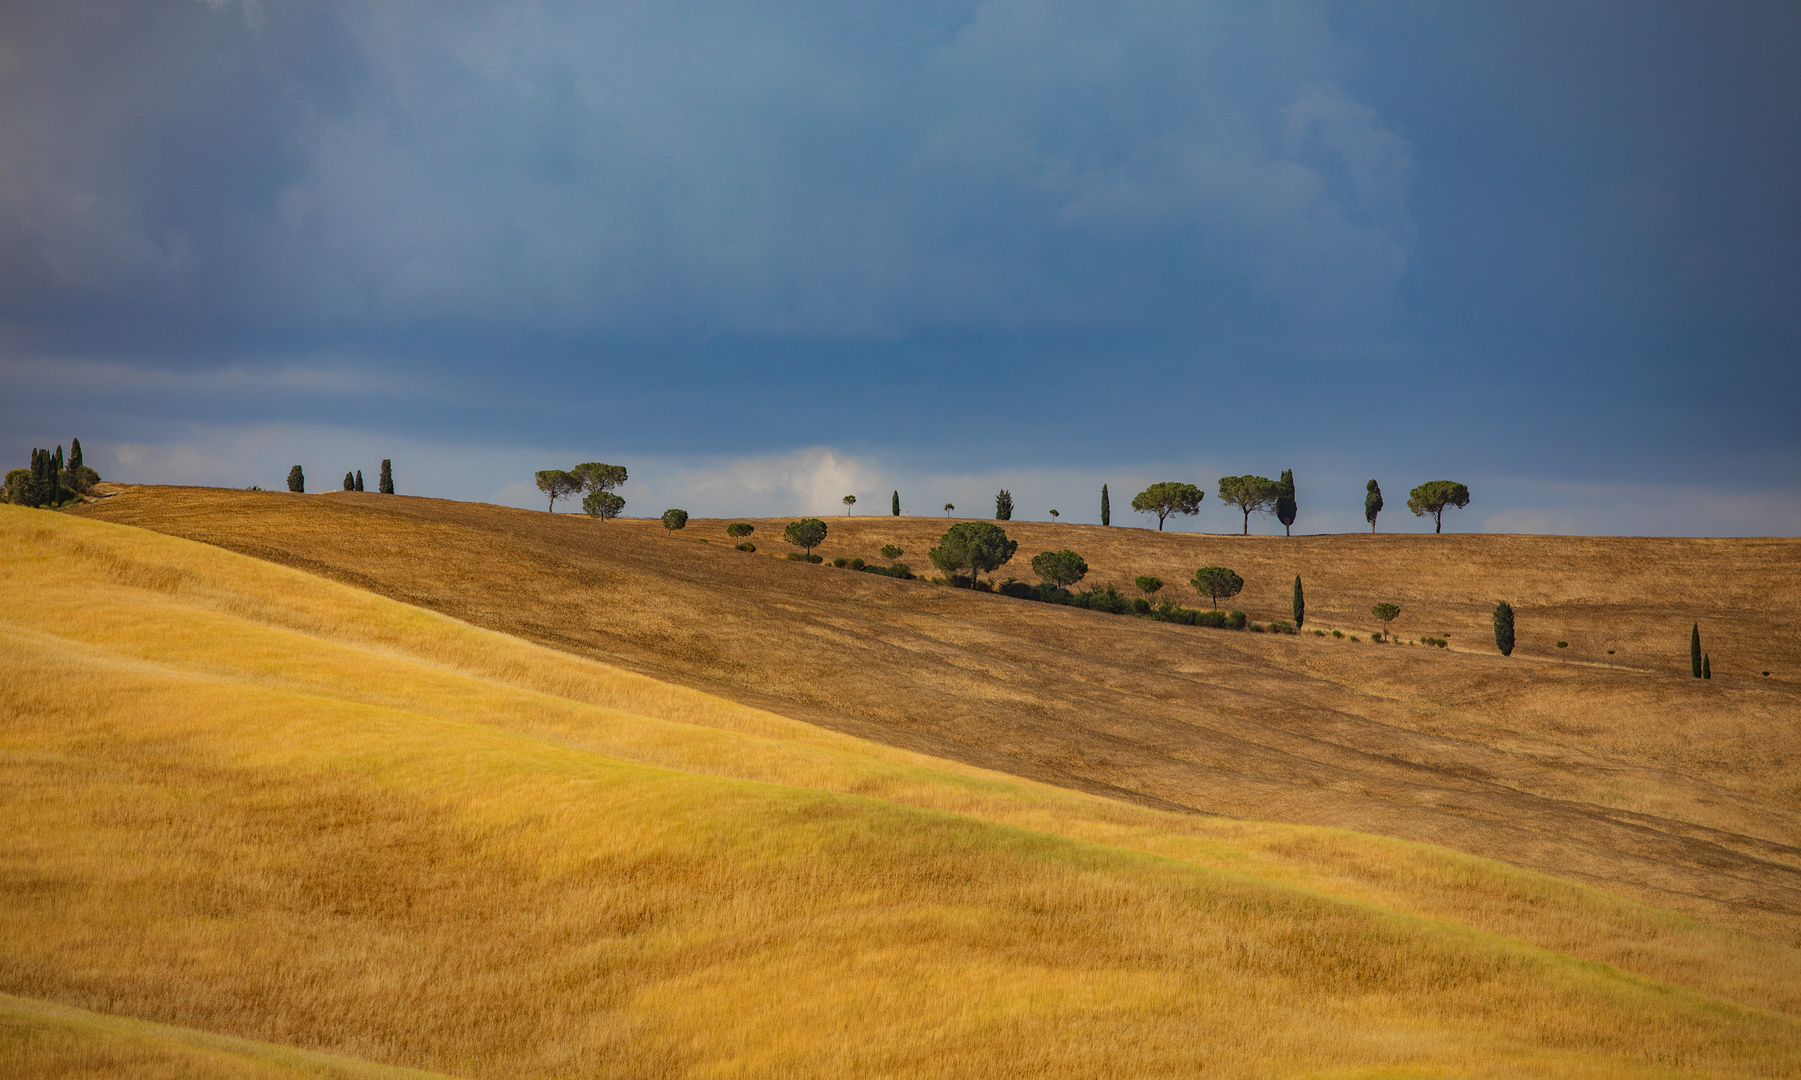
<point x="1285" y="505"/>
<point x="386" y="484"/>
<point x="56" y="477"/>
<point x="895" y="506"/>
<point x="359" y="479"/>
<point x="349" y="481"/>
<point x="1106" y="507"/>
<point x="74" y="454"/>
<point x="1300" y="604"/>
<point x="1694" y="650"/>
<point x="1504" y="628"/>
<point x="1706" y="667"/>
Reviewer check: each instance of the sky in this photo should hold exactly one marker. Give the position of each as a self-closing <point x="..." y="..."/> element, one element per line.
<point x="769" y="254"/>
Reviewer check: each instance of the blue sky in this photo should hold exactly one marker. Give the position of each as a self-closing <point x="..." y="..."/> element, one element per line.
<point x="769" y="254"/>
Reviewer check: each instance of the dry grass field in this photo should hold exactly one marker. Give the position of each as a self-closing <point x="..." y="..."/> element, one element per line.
<point x="252" y="816"/>
<point x="1616" y="769"/>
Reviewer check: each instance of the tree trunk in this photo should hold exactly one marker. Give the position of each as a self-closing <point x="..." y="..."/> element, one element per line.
<point x="1439" y="522"/>
<point x="1247" y="523"/>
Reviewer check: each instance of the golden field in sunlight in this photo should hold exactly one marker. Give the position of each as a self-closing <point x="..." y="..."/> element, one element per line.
<point x="249" y="803"/>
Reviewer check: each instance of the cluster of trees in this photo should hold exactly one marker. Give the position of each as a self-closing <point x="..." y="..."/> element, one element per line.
<point x="1261" y="495"/>
<point x="353" y="480"/>
<point x="50" y="480"/>
<point x="597" y="479"/>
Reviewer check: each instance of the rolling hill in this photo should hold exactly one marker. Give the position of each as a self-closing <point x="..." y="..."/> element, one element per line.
<point x="1617" y="769"/>
<point x="259" y="823"/>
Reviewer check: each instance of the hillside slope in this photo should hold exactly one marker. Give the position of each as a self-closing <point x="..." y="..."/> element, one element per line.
<point x="1622" y="771"/>
<point x="255" y="803"/>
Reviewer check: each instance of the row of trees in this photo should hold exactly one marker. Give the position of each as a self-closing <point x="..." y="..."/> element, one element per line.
<point x="353" y="480"/>
<point x="50" y="480"/>
<point x="598" y="480"/>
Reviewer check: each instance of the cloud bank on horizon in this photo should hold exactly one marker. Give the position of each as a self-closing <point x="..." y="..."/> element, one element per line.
<point x="1554" y="247"/>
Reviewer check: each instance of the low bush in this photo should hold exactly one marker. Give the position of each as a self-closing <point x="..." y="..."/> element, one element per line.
<point x="891" y="553"/>
<point x="1215" y="619"/>
<point x="799" y="557"/>
<point x="1280" y="626"/>
<point x="1141" y="606"/>
<point x="747" y="546"/>
<point x="857" y="564"/>
<point x="1319" y="633"/>
<point x="841" y="562"/>
<point x="898" y="570"/>
<point x="1438" y="641"/>
<point x="739" y="529"/>
<point x="1563" y="644"/>
<point x="1354" y="637"/>
<point x="1103" y="598"/>
<point x="1235" y="620"/>
<point x="1338" y="633"/>
<point x="1018" y="590"/>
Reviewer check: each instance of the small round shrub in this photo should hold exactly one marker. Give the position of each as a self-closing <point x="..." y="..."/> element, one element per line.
<point x="1563" y="644"/>
<point x="739" y="529"/>
<point x="1282" y="626"/>
<point x="841" y="562"/>
<point x="857" y="564"/>
<point x="1140" y="606"/>
<point x="1019" y="590"/>
<point x="1609" y="652"/>
<point x="890" y="552"/>
<point x="1354" y="637"/>
<point x="1235" y="620"/>
<point x="747" y="546"/>
<point x="1319" y="633"/>
<point x="1338" y="633"/>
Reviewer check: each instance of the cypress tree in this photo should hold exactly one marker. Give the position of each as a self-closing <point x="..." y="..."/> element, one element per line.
<point x="1285" y="507"/>
<point x="895" y="506"/>
<point x="1706" y="667"/>
<point x="1694" y="650"/>
<point x="1504" y="628"/>
<point x="1300" y="604"/>
<point x="349" y="481"/>
<point x="359" y="479"/>
<point x="386" y="484"/>
<point x="1003" y="506"/>
<point x="296" y="480"/>
<point x="1106" y="507"/>
<point x="56" y="477"/>
<point x="74" y="454"/>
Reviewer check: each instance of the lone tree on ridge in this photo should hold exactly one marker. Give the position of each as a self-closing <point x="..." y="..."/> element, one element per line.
<point x="1285" y="504"/>
<point x="1372" y="504"/>
<point x="974" y="546"/>
<point x="386" y="485"/>
<point x="947" y="509"/>
<point x="558" y="484"/>
<point x="1054" y="517"/>
<point x="1106" y="507"/>
<point x="1433" y="496"/>
<point x="895" y="507"/>
<point x="1062" y="568"/>
<point x="848" y="501"/>
<point x="1003" y="506"/>
<point x="297" y="480"/>
<point x="1168" y="497"/>
<point x="673" y="520"/>
<point x="1251" y="494"/>
<point x="806" y="533"/>
<point x="1216" y="582"/>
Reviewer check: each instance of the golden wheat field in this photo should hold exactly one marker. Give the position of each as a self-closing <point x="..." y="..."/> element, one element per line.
<point x="1620" y="770"/>
<point x="257" y="822"/>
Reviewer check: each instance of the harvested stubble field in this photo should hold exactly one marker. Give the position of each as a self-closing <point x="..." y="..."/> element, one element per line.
<point x="1617" y="770"/>
<point x="255" y="818"/>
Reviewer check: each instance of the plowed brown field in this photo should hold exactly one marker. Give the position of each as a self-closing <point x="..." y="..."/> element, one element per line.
<point x="1617" y="769"/>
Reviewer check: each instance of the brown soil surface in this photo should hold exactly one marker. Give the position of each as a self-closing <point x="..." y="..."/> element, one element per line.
<point x="1616" y="769"/>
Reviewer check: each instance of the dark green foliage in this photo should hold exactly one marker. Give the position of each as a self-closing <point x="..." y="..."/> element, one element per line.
<point x="1168" y="497"/>
<point x="1103" y="598"/>
<point x="1235" y="620"/>
<point x="675" y="519"/>
<point x="1277" y="626"/>
<point x="891" y="553"/>
<point x="1063" y="568"/>
<point x="1216" y="582"/>
<point x="599" y="476"/>
<point x="386" y="485"/>
<point x="857" y="564"/>
<point x="1434" y="497"/>
<point x="1106" y="507"/>
<point x="359" y="479"/>
<point x="1706" y="667"/>
<point x="1386" y="613"/>
<point x="848" y="501"/>
<point x="1213" y="620"/>
<point x="1372" y="504"/>
<point x="799" y="557"/>
<point x="894" y="504"/>
<point x="739" y="528"/>
<point x="74" y="454"/>
<point x="297" y="479"/>
<point x="1148" y="584"/>
<point x="1054" y="594"/>
<point x="602" y="504"/>
<point x="806" y="533"/>
<point x="1003" y="506"/>
<point x="1563" y="644"/>
<point x="1300" y="603"/>
<point x="841" y="562"/>
<point x="1504" y="628"/>
<point x="898" y="570"/>
<point x="558" y="484"/>
<point x="18" y="483"/>
<point x="1438" y="641"/>
<point x="1018" y="590"/>
<point x="974" y="546"/>
<point x="1694" y="650"/>
<point x="747" y="546"/>
<point x="349" y="481"/>
<point x="1141" y="606"/>
<point x="1285" y="505"/>
<point x="1250" y="494"/>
